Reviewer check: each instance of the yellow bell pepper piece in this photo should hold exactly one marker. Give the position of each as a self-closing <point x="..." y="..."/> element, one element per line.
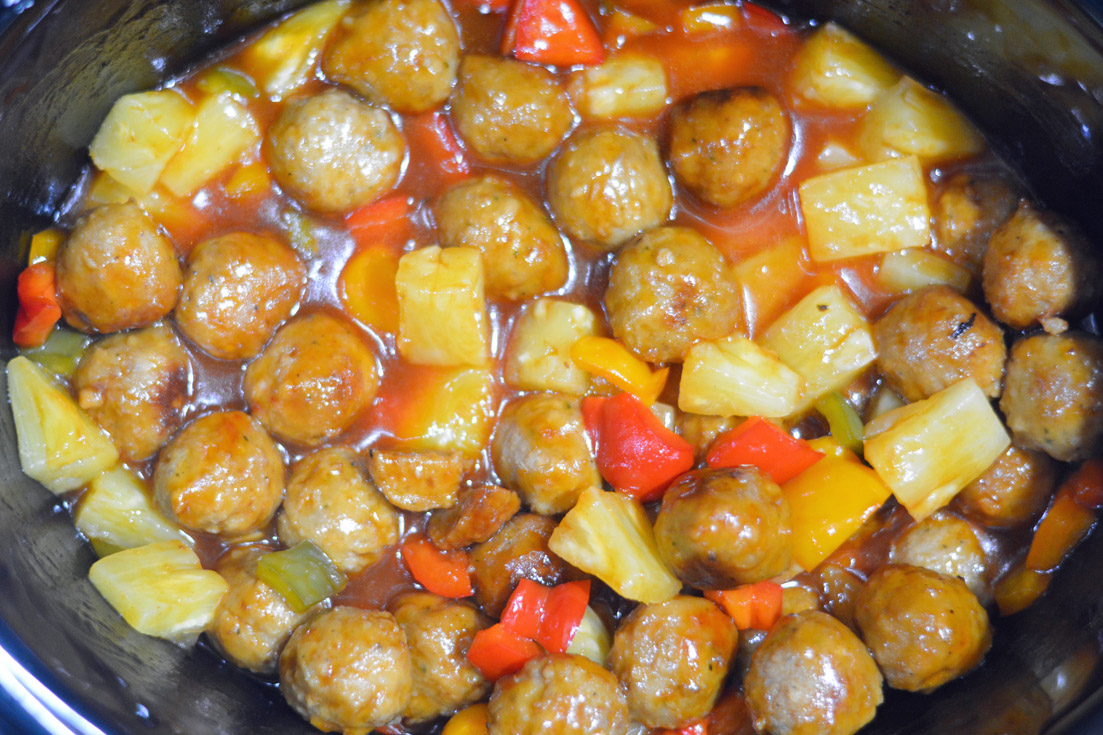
<point x="367" y="288"/>
<point x="468" y="721"/>
<point x="829" y="502"/>
<point x="44" y="245"/>
<point x="611" y="360"/>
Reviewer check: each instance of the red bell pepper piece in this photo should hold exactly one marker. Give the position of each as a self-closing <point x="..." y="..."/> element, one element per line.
<point x="442" y="572"/>
<point x="1086" y="484"/>
<point x="756" y="606"/>
<point x="760" y="443"/>
<point x="698" y="727"/>
<point x="556" y="32"/>
<point x="525" y="608"/>
<point x="380" y="222"/>
<point x="432" y="135"/>
<point x="38" y="306"/>
<point x="636" y="454"/>
<point x="563" y="613"/>
<point x="497" y="651"/>
<point x="761" y="19"/>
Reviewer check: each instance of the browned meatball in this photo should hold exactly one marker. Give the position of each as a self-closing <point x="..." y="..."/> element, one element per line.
<point x="607" y="186"/>
<point x="718" y="528"/>
<point x="838" y="585"/>
<point x="402" y="53"/>
<point x="313" y="380"/>
<point x="966" y="211"/>
<point x="1036" y="267"/>
<point x="480" y="512"/>
<point x="812" y="676"/>
<point x="347" y="669"/>
<point x="221" y="474"/>
<point x="673" y="657"/>
<point x="253" y="621"/>
<point x="1053" y="395"/>
<point x="540" y="450"/>
<point x="116" y="271"/>
<point x="667" y="290"/>
<point x="135" y="386"/>
<point x="947" y="544"/>
<point x="508" y="110"/>
<point x="701" y="431"/>
<point x="333" y="152"/>
<point x="331" y="504"/>
<point x="1013" y="491"/>
<point x="418" y="480"/>
<point x="924" y="628"/>
<point x="238" y="288"/>
<point x="935" y="337"/>
<point x="523" y="254"/>
<point x="438" y="633"/>
<point x="560" y="693"/>
<point x="727" y="146"/>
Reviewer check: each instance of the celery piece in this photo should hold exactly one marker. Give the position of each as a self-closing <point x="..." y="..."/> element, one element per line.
<point x="846" y="425"/>
<point x="303" y="575"/>
<point x="224" y="79"/>
<point x="60" y="353"/>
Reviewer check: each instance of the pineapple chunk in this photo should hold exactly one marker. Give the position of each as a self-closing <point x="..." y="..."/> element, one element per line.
<point x="835" y="69"/>
<point x="59" y="445"/>
<point x="712" y="17"/>
<point x="139" y="136"/>
<point x="452" y="411"/>
<point x="117" y="510"/>
<point x="160" y="589"/>
<point x="910" y="119"/>
<point x="608" y="535"/>
<point x="626" y="85"/>
<point x="592" y="638"/>
<point x="866" y="209"/>
<point x="223" y="131"/>
<point x="284" y="57"/>
<point x="907" y="270"/>
<point x="735" y="377"/>
<point x="768" y="278"/>
<point x="442" y="316"/>
<point x="884" y="400"/>
<point x="929" y="450"/>
<point x="835" y="155"/>
<point x="825" y="339"/>
<point x="539" y="357"/>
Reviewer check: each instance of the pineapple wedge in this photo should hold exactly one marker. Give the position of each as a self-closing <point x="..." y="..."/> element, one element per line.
<point x="608" y="535"/>
<point x="284" y="57"/>
<point x="768" y="278"/>
<point x="539" y="356"/>
<point x="592" y="638"/>
<point x="117" y="510"/>
<point x="736" y="377"/>
<point x="909" y="119"/>
<point x="222" y="132"/>
<point x="59" y="445"/>
<point x="834" y="69"/>
<point x="160" y="589"/>
<point x="915" y="268"/>
<point x="452" y="411"/>
<point x="626" y="85"/>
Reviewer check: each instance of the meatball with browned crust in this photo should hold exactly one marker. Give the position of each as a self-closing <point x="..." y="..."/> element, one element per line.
<point x="669" y="289"/>
<point x="480" y="512"/>
<point x="562" y="694"/>
<point x="313" y="380"/>
<point x="508" y="110"/>
<point x="607" y="186"/>
<point x="116" y="271"/>
<point x="812" y="676"/>
<point x="523" y="253"/>
<point x="672" y="657"/>
<point x="935" y="337"/>
<point x="965" y="213"/>
<point x="438" y="632"/>
<point x="1053" y="395"/>
<point x="135" y="386"/>
<point x="334" y="152"/>
<point x="923" y="627"/>
<point x="727" y="146"/>
<point x="348" y="669"/>
<point x="945" y="543"/>
<point x="238" y="288"/>
<point x="718" y="528"/>
<point x="221" y="474"/>
<point x="1013" y="491"/>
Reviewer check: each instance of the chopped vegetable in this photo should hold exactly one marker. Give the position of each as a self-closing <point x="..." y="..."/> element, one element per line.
<point x="44" y="245"/>
<point x="711" y="17"/>
<point x="563" y="612"/>
<point x="623" y="26"/>
<point x="909" y="119"/>
<point x="736" y="377"/>
<point x="118" y="510"/>
<point x="283" y="58"/>
<point x="300" y="231"/>
<point x="556" y="32"/>
<point x="452" y="410"/>
<point x="225" y="80"/>
<point x="768" y="279"/>
<point x="302" y="575"/>
<point x="61" y="352"/>
<point x="140" y="135"/>
<point x="539" y="355"/>
<point x="379" y="223"/>
<point x="626" y="85"/>
<point x="697" y="727"/>
<point x="766" y="446"/>
<point x="592" y="639"/>
<point x="38" y="307"/>
<point x="1020" y="589"/>
<point x="844" y="422"/>
<point x="441" y="572"/>
<point x="249" y="180"/>
<point x="763" y="20"/>
<point x="525" y="608"/>
<point x="222" y="133"/>
<point x="432" y="135"/>
<point x="835" y="69"/>
<point x="756" y="606"/>
<point x="367" y="288"/>
<point x="468" y="721"/>
<point x="497" y="651"/>
<point x="1071" y="515"/>
<point x="907" y="270"/>
<point x="611" y="360"/>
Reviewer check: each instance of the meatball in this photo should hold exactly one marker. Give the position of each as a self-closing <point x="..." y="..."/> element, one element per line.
<point x="673" y="658"/>
<point x="402" y="53"/>
<point x="701" y="431"/>
<point x="608" y="185"/>
<point x="966" y="212"/>
<point x="946" y="544"/>
<point x="540" y="450"/>
<point x="135" y="386"/>
<point x="923" y="627"/>
<point x="523" y="254"/>
<point x="221" y="474"/>
<point x="812" y="676"/>
<point x="1053" y="395"/>
<point x="935" y="337"/>
<point x="347" y="669"/>
<point x="560" y="693"/>
<point x="718" y="528"/>
<point x="331" y="504"/>
<point x="1036" y="268"/>
<point x="438" y="633"/>
<point x="238" y="288"/>
<point x="510" y="111"/>
<point x="116" y="271"/>
<point x="667" y="290"/>
<point x="727" y="146"/>
<point x="333" y="152"/>
<point x="480" y="512"/>
<point x="418" y="480"/>
<point x="253" y="621"/>
<point x="313" y="380"/>
<point x="1013" y="491"/>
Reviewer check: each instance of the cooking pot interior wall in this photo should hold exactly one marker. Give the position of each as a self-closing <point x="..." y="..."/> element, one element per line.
<point x="1033" y="83"/>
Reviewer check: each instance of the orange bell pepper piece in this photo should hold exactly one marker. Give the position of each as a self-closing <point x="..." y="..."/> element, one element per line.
<point x="614" y="362"/>
<point x="497" y="651"/>
<point x="1071" y="515"/>
<point x="38" y="306"/>
<point x="756" y="606"/>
